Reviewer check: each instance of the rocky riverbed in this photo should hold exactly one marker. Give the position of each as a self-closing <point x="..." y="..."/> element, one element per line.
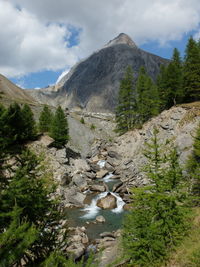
<point x="95" y="187"/>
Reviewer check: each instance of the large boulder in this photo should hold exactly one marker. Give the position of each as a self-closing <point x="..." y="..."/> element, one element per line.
<point x="79" y="181"/>
<point x="98" y="188"/>
<point x="101" y="173"/>
<point x="107" y="202"/>
<point x="100" y="219"/>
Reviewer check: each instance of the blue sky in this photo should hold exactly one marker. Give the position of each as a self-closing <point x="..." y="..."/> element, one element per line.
<point x="42" y="39"/>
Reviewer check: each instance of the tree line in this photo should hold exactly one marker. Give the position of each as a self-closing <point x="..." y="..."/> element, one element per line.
<point x="31" y="228"/>
<point x="17" y="125"/>
<point x="178" y="82"/>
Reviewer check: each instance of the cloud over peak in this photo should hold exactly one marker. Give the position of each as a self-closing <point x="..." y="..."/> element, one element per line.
<point x="36" y="34"/>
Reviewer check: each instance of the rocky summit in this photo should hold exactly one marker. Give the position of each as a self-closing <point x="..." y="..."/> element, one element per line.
<point x="93" y="83"/>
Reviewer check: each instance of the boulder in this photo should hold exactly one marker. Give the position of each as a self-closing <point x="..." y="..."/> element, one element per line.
<point x="76" y="250"/>
<point x="107" y="202"/>
<point x="94" y="167"/>
<point x="73" y="198"/>
<point x="109" y="167"/>
<point x="101" y="173"/>
<point x="100" y="219"/>
<point x="79" y="181"/>
<point x="114" y="154"/>
<point x="116" y="186"/>
<point x="99" y="188"/>
<point x="113" y="162"/>
<point x="81" y="165"/>
<point x="107" y="234"/>
<point x="90" y="175"/>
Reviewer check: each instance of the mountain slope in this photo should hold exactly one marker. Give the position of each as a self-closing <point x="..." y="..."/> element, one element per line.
<point x="93" y="83"/>
<point x="9" y="92"/>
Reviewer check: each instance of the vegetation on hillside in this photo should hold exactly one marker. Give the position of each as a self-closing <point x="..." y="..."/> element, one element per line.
<point x="177" y="83"/>
<point x="157" y="220"/>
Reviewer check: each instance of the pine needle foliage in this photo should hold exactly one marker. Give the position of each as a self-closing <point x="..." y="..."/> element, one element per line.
<point x="125" y="111"/>
<point x="59" y="128"/>
<point x="157" y="220"/>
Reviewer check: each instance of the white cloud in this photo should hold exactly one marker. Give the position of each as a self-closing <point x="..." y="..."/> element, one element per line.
<point x="35" y="37"/>
<point x="28" y="45"/>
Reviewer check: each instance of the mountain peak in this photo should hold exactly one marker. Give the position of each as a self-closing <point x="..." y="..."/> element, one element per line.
<point x="122" y="38"/>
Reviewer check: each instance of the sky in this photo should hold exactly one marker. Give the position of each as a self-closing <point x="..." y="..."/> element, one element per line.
<point x="42" y="39"/>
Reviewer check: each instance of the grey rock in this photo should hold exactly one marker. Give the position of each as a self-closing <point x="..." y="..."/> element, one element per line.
<point x="79" y="181"/>
<point x="98" y="188"/>
<point x="94" y="167"/>
<point x="107" y="234"/>
<point x="100" y="219"/>
<point x="107" y="202"/>
<point x="114" y="154"/>
<point x="90" y="175"/>
<point x="101" y="173"/>
<point x="109" y="167"/>
<point x="116" y="186"/>
<point x="105" y="68"/>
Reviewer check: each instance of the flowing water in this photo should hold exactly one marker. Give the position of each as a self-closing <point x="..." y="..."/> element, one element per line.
<point x="87" y="215"/>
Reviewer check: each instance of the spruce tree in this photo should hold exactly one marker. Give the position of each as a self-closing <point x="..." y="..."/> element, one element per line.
<point x="16" y="240"/>
<point x="125" y="111"/>
<point x="156" y="221"/>
<point x="37" y="228"/>
<point x="170" y="82"/>
<point x="191" y="75"/>
<point x="59" y="128"/>
<point x="147" y="99"/>
<point x="45" y="119"/>
<point x="193" y="167"/>
<point x="29" y="132"/>
<point x="174" y="80"/>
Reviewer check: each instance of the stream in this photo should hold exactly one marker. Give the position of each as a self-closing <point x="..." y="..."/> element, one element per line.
<point x="86" y="216"/>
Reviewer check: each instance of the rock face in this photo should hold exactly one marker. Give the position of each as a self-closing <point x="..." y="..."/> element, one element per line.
<point x="107" y="202"/>
<point x="93" y="83"/>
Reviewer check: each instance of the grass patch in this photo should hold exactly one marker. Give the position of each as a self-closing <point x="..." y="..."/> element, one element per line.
<point x="187" y="253"/>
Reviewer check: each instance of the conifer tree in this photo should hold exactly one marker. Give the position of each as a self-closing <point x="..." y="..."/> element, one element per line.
<point x="37" y="222"/>
<point x="193" y="167"/>
<point x="170" y="82"/>
<point x="16" y="240"/>
<point x="59" y="128"/>
<point x="45" y="119"/>
<point x="125" y="111"/>
<point x="191" y="75"/>
<point x="147" y="99"/>
<point x="156" y="221"/>
<point x="29" y="132"/>
<point x="174" y="80"/>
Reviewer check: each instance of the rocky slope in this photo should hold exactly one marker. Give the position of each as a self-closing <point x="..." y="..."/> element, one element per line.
<point x="93" y="83"/>
<point x="123" y="156"/>
<point x="9" y="92"/>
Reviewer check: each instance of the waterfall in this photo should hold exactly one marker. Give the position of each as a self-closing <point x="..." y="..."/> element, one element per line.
<point x="92" y="210"/>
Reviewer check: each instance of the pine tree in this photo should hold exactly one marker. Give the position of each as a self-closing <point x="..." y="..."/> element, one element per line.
<point x="174" y="80"/>
<point x="45" y="119"/>
<point x="13" y="124"/>
<point x="147" y="99"/>
<point x="191" y="75"/>
<point x="156" y="221"/>
<point x="170" y="82"/>
<point x="193" y="167"/>
<point x="59" y="129"/>
<point x="125" y="111"/>
<point x="38" y="213"/>
<point x="29" y="132"/>
<point x="16" y="240"/>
